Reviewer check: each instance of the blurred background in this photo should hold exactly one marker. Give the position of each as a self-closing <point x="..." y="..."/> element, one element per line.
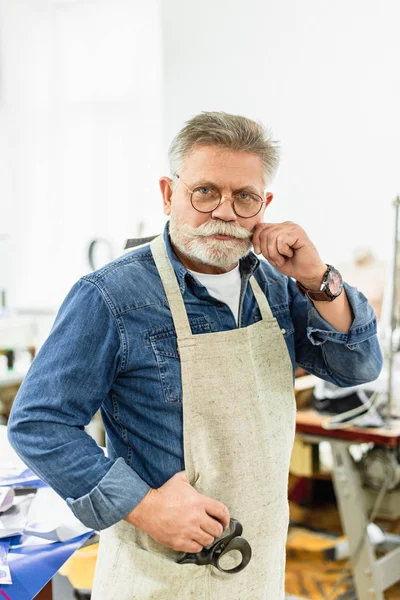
<point x="93" y="91"/>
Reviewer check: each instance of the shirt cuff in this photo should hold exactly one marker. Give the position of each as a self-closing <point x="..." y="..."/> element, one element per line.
<point x="114" y="497"/>
<point x="363" y="327"/>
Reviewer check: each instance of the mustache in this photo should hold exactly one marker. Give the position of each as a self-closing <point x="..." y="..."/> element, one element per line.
<point x="218" y="228"/>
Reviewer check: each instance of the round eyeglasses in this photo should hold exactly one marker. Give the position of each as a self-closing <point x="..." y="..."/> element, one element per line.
<point x="206" y="199"/>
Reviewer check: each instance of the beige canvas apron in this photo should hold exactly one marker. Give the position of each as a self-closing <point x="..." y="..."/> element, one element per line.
<point x="238" y="425"/>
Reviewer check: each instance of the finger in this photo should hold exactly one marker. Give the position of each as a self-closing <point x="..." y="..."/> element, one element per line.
<point x="284" y="240"/>
<point x="266" y="249"/>
<point x="191" y="547"/>
<point x="212" y="526"/>
<point x="294" y="237"/>
<point x="203" y="538"/>
<point x="283" y="246"/>
<point x="274" y="255"/>
<point x="278" y="258"/>
<point x="256" y="242"/>
<point x="218" y="511"/>
<point x="257" y="234"/>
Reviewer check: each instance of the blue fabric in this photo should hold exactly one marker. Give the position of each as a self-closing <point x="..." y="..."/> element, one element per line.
<point x="113" y="347"/>
<point x="20" y="481"/>
<point x="32" y="567"/>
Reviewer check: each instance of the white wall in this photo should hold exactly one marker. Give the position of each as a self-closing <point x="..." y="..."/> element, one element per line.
<point x="325" y="76"/>
<point x="92" y="91"/>
<point x="81" y="136"/>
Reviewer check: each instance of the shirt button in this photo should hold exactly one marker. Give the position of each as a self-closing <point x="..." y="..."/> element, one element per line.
<point x="283" y="331"/>
<point x="219" y="304"/>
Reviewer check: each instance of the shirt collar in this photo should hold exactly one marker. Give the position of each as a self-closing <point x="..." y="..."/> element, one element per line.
<point x="247" y="265"/>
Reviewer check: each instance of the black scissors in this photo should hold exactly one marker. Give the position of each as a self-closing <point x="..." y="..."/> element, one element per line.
<point x="211" y="555"/>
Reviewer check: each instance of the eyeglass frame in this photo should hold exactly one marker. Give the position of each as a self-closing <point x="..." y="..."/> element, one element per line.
<point x="220" y="200"/>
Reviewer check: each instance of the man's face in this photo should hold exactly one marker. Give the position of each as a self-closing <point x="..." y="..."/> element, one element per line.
<point x="218" y="239"/>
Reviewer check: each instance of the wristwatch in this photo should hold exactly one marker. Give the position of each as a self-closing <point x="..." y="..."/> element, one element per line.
<point x="331" y="286"/>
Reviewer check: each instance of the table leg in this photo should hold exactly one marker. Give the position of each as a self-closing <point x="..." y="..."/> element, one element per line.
<point x="45" y="593"/>
<point x="350" y="498"/>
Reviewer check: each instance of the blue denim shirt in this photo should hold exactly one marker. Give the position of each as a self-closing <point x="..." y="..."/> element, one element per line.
<point x="113" y="347"/>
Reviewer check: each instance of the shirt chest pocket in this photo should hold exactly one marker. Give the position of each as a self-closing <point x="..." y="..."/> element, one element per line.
<point x="164" y="344"/>
<point x="285" y="323"/>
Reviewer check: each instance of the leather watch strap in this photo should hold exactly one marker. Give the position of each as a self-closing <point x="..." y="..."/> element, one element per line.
<point x="317" y="295"/>
<point x="313" y="294"/>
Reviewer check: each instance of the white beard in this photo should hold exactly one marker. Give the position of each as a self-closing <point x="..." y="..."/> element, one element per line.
<point x="194" y="243"/>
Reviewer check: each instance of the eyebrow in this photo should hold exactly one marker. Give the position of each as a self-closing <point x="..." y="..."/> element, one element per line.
<point x="201" y="182"/>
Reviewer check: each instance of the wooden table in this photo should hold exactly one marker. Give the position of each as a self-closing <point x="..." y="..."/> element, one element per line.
<point x="46" y="593"/>
<point x="371" y="575"/>
<point x="310" y="421"/>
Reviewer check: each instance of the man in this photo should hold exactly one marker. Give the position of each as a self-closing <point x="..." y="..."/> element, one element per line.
<point x="188" y="347"/>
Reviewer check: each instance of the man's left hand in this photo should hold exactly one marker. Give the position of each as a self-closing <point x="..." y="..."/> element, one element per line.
<point x="288" y="248"/>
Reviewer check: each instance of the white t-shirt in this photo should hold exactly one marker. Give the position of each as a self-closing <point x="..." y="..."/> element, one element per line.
<point x="224" y="287"/>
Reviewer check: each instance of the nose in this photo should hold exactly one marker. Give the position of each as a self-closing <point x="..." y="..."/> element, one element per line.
<point x="225" y="210"/>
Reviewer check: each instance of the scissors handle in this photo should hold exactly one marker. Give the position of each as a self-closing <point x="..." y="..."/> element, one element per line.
<point x="211" y="555"/>
<point x="237" y="543"/>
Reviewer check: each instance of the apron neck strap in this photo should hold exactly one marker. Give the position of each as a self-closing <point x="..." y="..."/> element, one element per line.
<point x="174" y="296"/>
<point x="261" y="299"/>
<point x="171" y="288"/>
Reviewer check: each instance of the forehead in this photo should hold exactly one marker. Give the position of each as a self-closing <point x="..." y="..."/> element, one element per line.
<point x="224" y="167"/>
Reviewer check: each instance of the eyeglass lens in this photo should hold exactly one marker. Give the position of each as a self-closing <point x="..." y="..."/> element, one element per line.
<point x="246" y="204"/>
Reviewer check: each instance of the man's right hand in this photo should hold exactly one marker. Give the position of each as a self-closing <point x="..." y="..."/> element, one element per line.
<point x="177" y="516"/>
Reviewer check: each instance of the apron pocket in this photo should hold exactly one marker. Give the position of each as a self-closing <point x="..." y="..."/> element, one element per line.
<point x="141" y="575"/>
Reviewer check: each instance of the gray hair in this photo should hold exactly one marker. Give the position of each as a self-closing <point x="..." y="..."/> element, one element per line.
<point x="230" y="132"/>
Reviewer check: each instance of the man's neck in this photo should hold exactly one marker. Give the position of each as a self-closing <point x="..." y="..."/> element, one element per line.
<point x="199" y="267"/>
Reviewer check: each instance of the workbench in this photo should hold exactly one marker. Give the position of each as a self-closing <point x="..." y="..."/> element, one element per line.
<point x="33" y="566"/>
<point x="371" y="575"/>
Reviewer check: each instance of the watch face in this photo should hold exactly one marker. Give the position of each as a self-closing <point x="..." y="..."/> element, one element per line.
<point x="334" y="282"/>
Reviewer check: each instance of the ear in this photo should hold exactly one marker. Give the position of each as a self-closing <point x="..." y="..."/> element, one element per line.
<point x="268" y="198"/>
<point x="166" y="192"/>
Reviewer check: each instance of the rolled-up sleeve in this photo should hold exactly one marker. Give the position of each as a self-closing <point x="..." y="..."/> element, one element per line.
<point x="67" y="383"/>
<point x="345" y="359"/>
<point x="111" y="499"/>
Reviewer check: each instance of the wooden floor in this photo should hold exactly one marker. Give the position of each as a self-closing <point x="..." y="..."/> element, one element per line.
<point x="309" y="574"/>
<point x="312" y="578"/>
